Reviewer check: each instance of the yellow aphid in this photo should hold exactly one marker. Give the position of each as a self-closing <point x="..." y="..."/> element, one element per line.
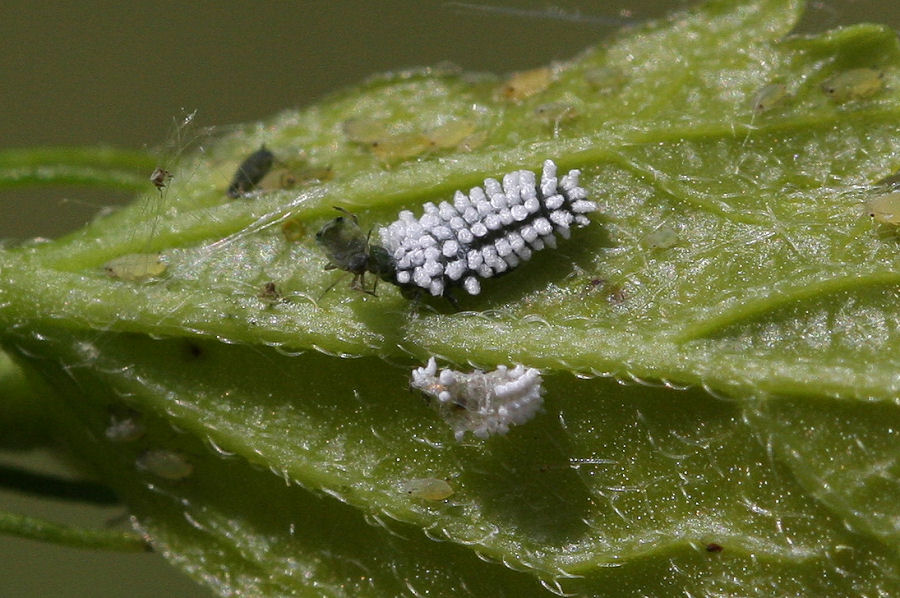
<point x="885" y="209"/>
<point x="769" y="96"/>
<point x="364" y="130"/>
<point x="400" y="147"/>
<point x="854" y="84"/>
<point x="294" y="230"/>
<point x="135" y="266"/>
<point x="286" y="178"/>
<point x="473" y="141"/>
<point x="165" y="464"/>
<point x="450" y="134"/>
<point x="525" y="84"/>
<point x="427" y="488"/>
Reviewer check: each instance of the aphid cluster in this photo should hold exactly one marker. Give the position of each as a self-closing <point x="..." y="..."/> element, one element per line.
<point x="480" y="235"/>
<point x="390" y="147"/>
<point x="483" y="403"/>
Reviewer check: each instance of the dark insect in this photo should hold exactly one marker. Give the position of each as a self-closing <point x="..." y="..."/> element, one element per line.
<point x="713" y="547"/>
<point x="160" y="178"/>
<point x="480" y="235"/>
<point x="251" y="172"/>
<point x="349" y="249"/>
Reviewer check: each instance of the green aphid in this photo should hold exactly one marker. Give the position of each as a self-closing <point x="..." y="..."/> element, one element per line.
<point x="663" y="237"/>
<point x="348" y="248"/>
<point x="854" y="84"/>
<point x="768" y="97"/>
<point x="885" y="208"/>
<point x="135" y="267"/>
<point x="427" y="488"/>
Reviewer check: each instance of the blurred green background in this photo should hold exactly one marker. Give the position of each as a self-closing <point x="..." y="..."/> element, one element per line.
<point x="119" y="73"/>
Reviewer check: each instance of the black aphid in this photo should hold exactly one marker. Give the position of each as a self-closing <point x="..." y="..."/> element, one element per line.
<point x="160" y="178"/>
<point x="251" y="172"/>
<point x="480" y="235"/>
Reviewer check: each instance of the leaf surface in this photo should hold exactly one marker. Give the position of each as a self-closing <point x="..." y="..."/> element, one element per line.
<point x="732" y="254"/>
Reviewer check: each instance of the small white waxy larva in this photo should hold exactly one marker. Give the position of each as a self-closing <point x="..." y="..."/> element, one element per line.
<point x="427" y="488"/>
<point x="885" y="208"/>
<point x="854" y="84"/>
<point x="166" y="464"/>
<point x="135" y="266"/>
<point x="483" y="403"/>
<point x="482" y="234"/>
<point x="125" y="426"/>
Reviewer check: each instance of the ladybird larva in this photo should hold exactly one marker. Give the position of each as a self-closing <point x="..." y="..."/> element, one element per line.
<point x="485" y="233"/>
<point x="483" y="403"/>
<point x="480" y="235"/>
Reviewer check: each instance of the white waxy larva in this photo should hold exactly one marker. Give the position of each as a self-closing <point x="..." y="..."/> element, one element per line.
<point x="483" y="403"/>
<point x="165" y="464"/>
<point x="885" y="209"/>
<point x="487" y="232"/>
<point x="427" y="488"/>
<point x="125" y="427"/>
<point x="135" y="267"/>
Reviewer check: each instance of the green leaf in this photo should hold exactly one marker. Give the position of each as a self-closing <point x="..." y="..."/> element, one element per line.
<point x="90" y="166"/>
<point x="732" y="255"/>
